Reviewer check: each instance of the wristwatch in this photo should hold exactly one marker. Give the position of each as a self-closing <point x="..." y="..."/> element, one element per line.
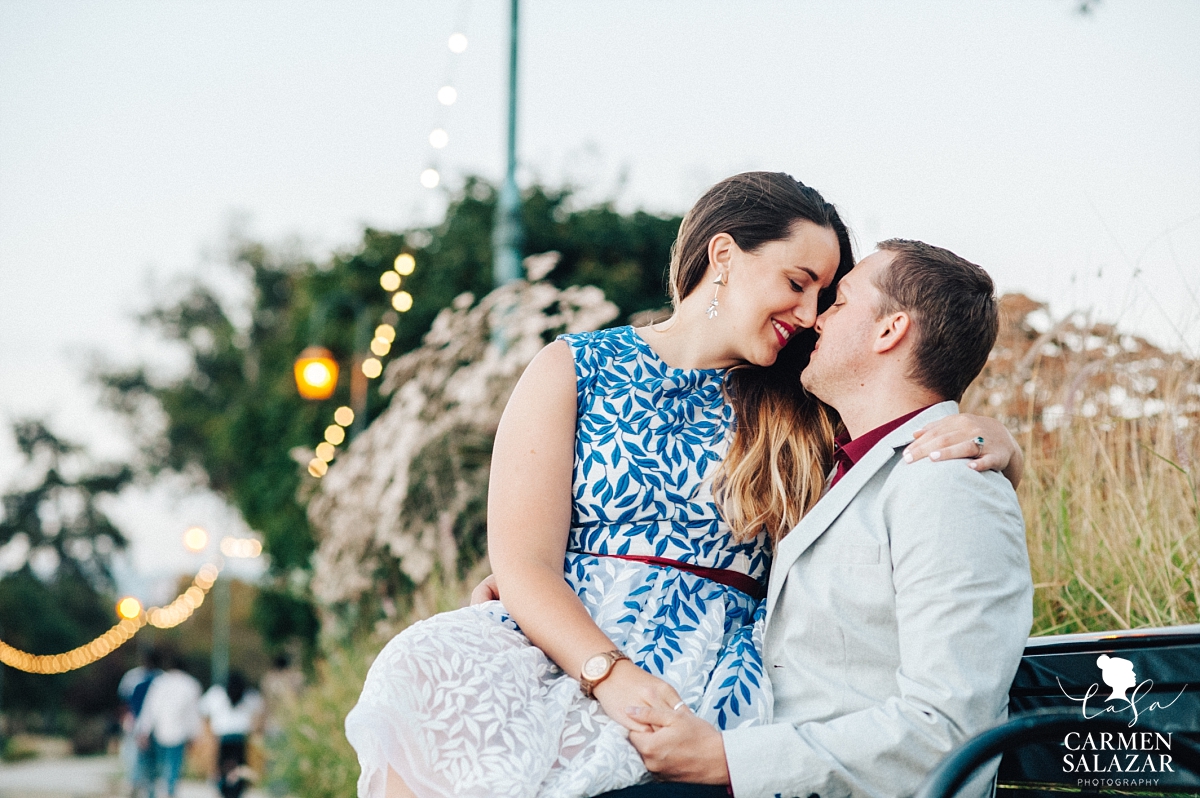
<point x="598" y="668"/>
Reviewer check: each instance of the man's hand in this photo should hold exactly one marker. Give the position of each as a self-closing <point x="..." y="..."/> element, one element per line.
<point x="487" y="590"/>
<point x="680" y="746"/>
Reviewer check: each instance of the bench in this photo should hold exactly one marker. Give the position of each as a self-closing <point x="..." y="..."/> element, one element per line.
<point x="1096" y="713"/>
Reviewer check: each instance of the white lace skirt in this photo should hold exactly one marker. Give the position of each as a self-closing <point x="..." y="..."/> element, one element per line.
<point x="463" y="704"/>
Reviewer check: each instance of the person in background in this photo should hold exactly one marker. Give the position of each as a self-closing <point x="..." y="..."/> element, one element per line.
<point x="169" y="719"/>
<point x="232" y="712"/>
<point x="139" y="764"/>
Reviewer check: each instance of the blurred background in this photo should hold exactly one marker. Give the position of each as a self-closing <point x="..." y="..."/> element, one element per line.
<point x="193" y="195"/>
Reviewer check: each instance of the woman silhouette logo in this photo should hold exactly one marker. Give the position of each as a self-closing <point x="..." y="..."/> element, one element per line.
<point x="1117" y="674"/>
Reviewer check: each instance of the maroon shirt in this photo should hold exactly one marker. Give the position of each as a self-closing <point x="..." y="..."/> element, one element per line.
<point x="847" y="452"/>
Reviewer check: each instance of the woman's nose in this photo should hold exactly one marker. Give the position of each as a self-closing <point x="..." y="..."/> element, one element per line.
<point x="805" y="311"/>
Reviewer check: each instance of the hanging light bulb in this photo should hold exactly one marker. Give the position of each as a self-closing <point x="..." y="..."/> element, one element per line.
<point x="405" y="264"/>
<point x="389" y="280"/>
<point x="447" y="95"/>
<point x="439" y="138"/>
<point x="372" y="368"/>
<point x="457" y="43"/>
<point x="430" y="178"/>
<point x="402" y="301"/>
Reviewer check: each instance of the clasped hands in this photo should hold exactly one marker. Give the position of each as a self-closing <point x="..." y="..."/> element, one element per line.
<point x="675" y="744"/>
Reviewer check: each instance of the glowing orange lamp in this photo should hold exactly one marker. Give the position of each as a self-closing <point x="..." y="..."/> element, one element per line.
<point x="316" y="373"/>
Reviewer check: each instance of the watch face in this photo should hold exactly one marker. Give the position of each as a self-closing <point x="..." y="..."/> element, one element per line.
<point x="595" y="667"/>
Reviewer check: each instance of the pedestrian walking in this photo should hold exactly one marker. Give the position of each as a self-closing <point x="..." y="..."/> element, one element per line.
<point x="169" y="719"/>
<point x="233" y="712"/>
<point x="132" y="689"/>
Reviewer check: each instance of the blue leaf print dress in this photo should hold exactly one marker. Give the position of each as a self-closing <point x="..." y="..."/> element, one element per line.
<point x="464" y="704"/>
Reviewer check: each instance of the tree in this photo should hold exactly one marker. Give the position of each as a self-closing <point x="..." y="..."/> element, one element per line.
<point x="234" y="416"/>
<point x="60" y="591"/>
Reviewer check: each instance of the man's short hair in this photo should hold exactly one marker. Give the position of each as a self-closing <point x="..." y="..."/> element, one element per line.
<point x="953" y="308"/>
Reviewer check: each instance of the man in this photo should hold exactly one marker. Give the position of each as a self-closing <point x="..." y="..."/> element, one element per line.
<point x="898" y="608"/>
<point x="170" y="717"/>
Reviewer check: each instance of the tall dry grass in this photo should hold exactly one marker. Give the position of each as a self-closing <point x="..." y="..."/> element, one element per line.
<point x="1110" y="425"/>
<point x="1113" y="525"/>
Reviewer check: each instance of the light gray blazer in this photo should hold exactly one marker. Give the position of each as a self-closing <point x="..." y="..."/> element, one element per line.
<point x="897" y="612"/>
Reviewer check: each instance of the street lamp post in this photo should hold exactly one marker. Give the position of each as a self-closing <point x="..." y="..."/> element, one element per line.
<point x="220" y="641"/>
<point x="506" y="232"/>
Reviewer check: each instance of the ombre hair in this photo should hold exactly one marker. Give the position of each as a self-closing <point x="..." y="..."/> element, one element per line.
<point x="782" y="445"/>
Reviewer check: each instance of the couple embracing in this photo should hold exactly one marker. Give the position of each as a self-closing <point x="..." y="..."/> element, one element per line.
<point x="795" y="418"/>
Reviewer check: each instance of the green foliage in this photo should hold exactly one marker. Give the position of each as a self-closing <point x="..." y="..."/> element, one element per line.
<point x="61" y="596"/>
<point x="58" y="520"/>
<point x="234" y="416"/>
<point x="312" y="755"/>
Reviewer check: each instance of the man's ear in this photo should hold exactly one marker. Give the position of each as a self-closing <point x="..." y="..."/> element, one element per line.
<point x="891" y="331"/>
<point x="720" y="253"/>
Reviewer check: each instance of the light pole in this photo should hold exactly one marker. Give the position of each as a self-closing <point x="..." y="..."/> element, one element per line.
<point x="506" y="232"/>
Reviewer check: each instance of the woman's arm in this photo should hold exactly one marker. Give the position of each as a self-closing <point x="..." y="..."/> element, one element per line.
<point x="953" y="438"/>
<point x="529" y="518"/>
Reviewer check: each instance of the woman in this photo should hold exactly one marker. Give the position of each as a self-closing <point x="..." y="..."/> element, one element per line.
<point x="233" y="712"/>
<point x="607" y="459"/>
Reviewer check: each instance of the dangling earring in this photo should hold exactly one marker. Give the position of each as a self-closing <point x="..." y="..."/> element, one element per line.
<point x="712" y="306"/>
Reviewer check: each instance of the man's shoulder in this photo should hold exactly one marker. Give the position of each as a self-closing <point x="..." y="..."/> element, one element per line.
<point x="950" y="477"/>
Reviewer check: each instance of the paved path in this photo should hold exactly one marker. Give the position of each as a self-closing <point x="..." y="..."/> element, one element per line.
<point x="83" y="777"/>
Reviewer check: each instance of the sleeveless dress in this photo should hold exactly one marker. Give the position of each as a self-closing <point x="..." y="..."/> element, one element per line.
<point x="464" y="704"/>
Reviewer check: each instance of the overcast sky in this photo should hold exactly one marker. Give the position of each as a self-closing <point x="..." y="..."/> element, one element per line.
<point x="1061" y="152"/>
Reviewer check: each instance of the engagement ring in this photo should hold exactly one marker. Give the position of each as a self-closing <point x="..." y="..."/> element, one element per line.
<point x="979" y="445"/>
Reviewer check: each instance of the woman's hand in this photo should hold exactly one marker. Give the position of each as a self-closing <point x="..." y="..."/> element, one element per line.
<point x="953" y="438"/>
<point x="630" y="686"/>
<point x="487" y="590"/>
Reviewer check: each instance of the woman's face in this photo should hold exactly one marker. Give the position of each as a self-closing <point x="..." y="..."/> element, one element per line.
<point x="772" y="292"/>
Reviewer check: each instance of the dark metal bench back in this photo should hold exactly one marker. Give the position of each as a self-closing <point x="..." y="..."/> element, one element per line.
<point x="1162" y="693"/>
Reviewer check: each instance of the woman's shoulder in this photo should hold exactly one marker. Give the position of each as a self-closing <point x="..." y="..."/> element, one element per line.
<point x="609" y="337"/>
<point x="597" y="349"/>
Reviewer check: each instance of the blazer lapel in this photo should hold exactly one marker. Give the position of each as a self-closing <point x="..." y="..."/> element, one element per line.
<point x="827" y="510"/>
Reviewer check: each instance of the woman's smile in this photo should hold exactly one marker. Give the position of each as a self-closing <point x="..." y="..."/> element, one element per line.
<point x="783" y="331"/>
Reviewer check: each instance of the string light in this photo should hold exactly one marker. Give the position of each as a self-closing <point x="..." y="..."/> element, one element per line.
<point x="195" y="539"/>
<point x="245" y="548"/>
<point x="132" y="620"/>
<point x="390" y="281"/>
<point x="129" y="608"/>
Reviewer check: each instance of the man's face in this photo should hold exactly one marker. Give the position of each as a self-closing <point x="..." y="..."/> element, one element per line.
<point x="841" y="361"/>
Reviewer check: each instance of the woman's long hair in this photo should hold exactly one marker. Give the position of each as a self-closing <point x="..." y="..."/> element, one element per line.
<point x="782" y="443"/>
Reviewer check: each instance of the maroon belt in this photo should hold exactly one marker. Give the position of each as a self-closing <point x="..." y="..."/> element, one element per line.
<point x="734" y="579"/>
